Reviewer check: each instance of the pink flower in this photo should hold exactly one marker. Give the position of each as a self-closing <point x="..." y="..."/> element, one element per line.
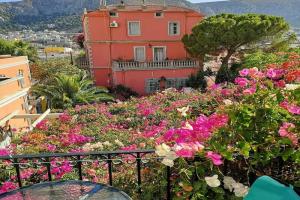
<point x="243" y="82"/>
<point x="65" y="117"/>
<point x="292" y="108"/>
<point x="226" y="92"/>
<point x="244" y="72"/>
<point x="188" y="150"/>
<point x="4" y="152"/>
<point x="51" y="147"/>
<point x="215" y="158"/>
<point x="284" y="131"/>
<point x="280" y="83"/>
<point x="185" y="153"/>
<point x="249" y="91"/>
<point x="274" y="73"/>
<point x="7" y="186"/>
<point x="42" y="125"/>
<point x="253" y="72"/>
<point x="130" y="147"/>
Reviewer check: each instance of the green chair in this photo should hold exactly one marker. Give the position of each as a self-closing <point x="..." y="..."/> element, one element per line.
<point x="266" y="188"/>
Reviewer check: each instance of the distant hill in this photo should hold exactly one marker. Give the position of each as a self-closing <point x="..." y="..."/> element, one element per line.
<point x="290" y="9"/>
<point x="65" y="14"/>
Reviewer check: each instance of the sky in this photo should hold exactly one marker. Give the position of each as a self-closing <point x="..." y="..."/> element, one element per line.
<point x="194" y="1"/>
<point x="3" y="1"/>
<point x="204" y="1"/>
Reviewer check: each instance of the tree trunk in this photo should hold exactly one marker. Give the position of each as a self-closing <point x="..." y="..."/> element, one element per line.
<point x="201" y="62"/>
<point x="223" y="73"/>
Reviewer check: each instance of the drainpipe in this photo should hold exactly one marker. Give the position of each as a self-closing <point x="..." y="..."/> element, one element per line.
<point x="110" y="56"/>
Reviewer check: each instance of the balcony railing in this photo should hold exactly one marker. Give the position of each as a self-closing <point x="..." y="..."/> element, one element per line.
<point x="166" y="64"/>
<point x="139" y="158"/>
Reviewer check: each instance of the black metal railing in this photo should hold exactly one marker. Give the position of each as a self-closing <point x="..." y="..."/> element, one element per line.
<point x="136" y="156"/>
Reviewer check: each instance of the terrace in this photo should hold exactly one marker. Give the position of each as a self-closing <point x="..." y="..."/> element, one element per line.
<point x="152" y="65"/>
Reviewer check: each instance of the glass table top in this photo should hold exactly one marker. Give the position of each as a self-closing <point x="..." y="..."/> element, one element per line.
<point x="66" y="190"/>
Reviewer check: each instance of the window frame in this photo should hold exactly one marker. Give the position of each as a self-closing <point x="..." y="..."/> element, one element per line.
<point x="128" y="28"/>
<point x="162" y="14"/>
<point x="134" y="53"/>
<point x="178" y="28"/>
<point x="165" y="52"/>
<point x="117" y="14"/>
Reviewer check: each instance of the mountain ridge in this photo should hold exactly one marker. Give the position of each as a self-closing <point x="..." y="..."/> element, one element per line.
<point x="65" y="14"/>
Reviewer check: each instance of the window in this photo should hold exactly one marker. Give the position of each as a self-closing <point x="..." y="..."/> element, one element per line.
<point x="177" y="83"/>
<point x="152" y="85"/>
<point x="139" y="54"/>
<point x="113" y="14"/>
<point x="134" y="28"/>
<point x="20" y="72"/>
<point x="158" y="14"/>
<point x="159" y="53"/>
<point x="174" y="28"/>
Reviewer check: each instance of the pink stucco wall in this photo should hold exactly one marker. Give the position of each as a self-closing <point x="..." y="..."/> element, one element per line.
<point x="106" y="44"/>
<point x="135" y="79"/>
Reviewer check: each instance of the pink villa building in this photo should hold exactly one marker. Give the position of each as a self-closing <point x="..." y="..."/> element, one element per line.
<point x="139" y="46"/>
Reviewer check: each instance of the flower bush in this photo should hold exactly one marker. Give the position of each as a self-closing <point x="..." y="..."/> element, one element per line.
<point x="216" y="143"/>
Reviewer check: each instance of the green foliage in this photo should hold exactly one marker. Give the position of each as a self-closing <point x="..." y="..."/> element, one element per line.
<point x="197" y="81"/>
<point x="44" y="71"/>
<point x="67" y="91"/>
<point x="18" y="48"/>
<point x="122" y="92"/>
<point x="229" y="75"/>
<point x="253" y="134"/>
<point x="229" y="32"/>
<point x="260" y="59"/>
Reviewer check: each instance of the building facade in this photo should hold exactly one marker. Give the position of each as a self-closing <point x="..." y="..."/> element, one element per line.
<point x="15" y="82"/>
<point x="139" y="46"/>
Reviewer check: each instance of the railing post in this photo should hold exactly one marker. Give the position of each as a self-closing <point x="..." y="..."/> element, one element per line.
<point x="17" y="167"/>
<point x="168" y="183"/>
<point x="48" y="165"/>
<point x="109" y="162"/>
<point x="79" y="167"/>
<point x="139" y="177"/>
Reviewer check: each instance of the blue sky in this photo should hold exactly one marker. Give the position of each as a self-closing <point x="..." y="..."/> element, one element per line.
<point x="194" y="1"/>
<point x="2" y="1"/>
<point x="204" y="1"/>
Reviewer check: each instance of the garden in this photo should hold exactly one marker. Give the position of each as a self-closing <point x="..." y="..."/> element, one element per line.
<point x="216" y="142"/>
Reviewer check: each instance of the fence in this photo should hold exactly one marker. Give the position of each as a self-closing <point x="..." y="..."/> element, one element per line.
<point x="77" y="159"/>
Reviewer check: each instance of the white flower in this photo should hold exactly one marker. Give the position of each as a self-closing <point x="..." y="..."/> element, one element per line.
<point x="183" y="111"/>
<point x="213" y="181"/>
<point x="119" y="143"/>
<point x="291" y="86"/>
<point x="107" y="143"/>
<point x="240" y="190"/>
<point x="228" y="183"/>
<point x="168" y="162"/>
<point x="227" y="102"/>
<point x="188" y="126"/>
<point x="162" y="150"/>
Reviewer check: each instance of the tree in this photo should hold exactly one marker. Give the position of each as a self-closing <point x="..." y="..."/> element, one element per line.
<point x="79" y="39"/>
<point x="18" y="48"/>
<point x="229" y="32"/>
<point x="44" y="71"/>
<point x="67" y="91"/>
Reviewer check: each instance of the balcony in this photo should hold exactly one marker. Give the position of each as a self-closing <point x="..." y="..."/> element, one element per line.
<point x="154" y="65"/>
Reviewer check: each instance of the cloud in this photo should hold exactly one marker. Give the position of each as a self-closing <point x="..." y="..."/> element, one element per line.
<point x="5" y="1"/>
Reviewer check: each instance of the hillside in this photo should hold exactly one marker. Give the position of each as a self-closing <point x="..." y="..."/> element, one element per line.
<point x="290" y="9"/>
<point x="65" y="14"/>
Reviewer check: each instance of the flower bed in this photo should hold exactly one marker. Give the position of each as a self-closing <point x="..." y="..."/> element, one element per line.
<point x="216" y="143"/>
